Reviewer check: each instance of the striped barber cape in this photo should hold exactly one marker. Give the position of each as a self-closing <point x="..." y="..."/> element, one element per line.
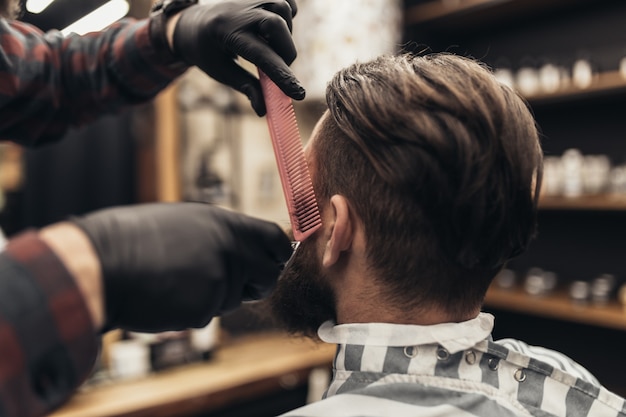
<point x="453" y="369"/>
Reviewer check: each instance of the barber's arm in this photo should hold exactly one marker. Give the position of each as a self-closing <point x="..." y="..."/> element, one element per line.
<point x="50" y="82"/>
<point x="153" y="267"/>
<point x="48" y="341"/>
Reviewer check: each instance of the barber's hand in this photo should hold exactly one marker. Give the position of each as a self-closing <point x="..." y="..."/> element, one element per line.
<point x="170" y="266"/>
<point x="212" y="36"/>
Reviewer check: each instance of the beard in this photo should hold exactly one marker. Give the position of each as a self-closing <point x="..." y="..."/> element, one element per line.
<point x="303" y="298"/>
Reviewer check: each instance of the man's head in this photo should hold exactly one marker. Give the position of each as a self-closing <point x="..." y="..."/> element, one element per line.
<point x="435" y="167"/>
<point x="10" y="9"/>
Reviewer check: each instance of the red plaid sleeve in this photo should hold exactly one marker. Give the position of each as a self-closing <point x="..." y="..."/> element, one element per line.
<point x="49" y="82"/>
<point x="47" y="341"/>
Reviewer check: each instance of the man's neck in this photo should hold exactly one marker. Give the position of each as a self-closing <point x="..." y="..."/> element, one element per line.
<point x="362" y="300"/>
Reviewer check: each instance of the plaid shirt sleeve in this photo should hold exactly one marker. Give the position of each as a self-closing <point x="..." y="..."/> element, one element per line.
<point x="48" y="344"/>
<point x="49" y="82"/>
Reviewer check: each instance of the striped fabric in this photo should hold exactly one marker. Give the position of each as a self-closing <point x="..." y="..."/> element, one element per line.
<point x="421" y="372"/>
<point x="49" y="83"/>
<point x="47" y="341"/>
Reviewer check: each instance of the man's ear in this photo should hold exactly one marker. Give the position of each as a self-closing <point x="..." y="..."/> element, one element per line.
<point x="342" y="230"/>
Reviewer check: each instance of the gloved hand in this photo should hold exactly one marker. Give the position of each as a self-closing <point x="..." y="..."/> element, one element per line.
<point x="212" y="36"/>
<point x="170" y="266"/>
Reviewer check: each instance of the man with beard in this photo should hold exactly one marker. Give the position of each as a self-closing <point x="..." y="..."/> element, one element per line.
<point x="427" y="171"/>
<point x="150" y="268"/>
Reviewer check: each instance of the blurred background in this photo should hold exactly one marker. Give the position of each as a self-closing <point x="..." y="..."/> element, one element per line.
<point x="201" y="141"/>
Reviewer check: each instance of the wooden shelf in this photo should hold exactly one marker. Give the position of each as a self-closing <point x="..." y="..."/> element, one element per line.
<point x="435" y="9"/>
<point x="474" y="11"/>
<point x="609" y="202"/>
<point x="557" y="306"/>
<point x="247" y="368"/>
<point x="606" y="83"/>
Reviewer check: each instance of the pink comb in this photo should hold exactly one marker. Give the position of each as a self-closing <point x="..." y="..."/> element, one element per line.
<point x="292" y="167"/>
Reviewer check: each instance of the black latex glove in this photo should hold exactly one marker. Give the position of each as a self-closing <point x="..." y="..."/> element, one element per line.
<point x="170" y="266"/>
<point x="212" y="36"/>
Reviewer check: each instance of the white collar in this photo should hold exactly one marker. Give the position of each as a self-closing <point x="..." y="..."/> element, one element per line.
<point x="454" y="337"/>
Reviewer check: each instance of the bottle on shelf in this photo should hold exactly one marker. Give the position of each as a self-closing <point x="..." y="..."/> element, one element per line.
<point x="584" y="71"/>
<point x="527" y="77"/>
<point x="579" y="292"/>
<point x="573" y="163"/>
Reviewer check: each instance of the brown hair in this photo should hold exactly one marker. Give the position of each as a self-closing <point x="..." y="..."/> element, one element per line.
<point x="442" y="163"/>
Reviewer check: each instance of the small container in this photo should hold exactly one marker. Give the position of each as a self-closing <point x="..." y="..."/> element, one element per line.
<point x="583" y="73"/>
<point x="505" y="279"/>
<point x="549" y="78"/>
<point x="579" y="292"/>
<point x="535" y="282"/>
<point x="129" y="359"/>
<point x="527" y="81"/>
<point x="572" y="162"/>
<point x="596" y="174"/>
<point x="602" y="288"/>
<point x="550" y="279"/>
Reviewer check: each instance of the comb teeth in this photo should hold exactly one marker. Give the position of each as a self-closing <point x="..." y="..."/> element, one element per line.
<point x="304" y="213"/>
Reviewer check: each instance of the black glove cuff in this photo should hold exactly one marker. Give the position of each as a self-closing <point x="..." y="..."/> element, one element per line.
<point x="160" y="13"/>
<point x="109" y="306"/>
<point x="158" y="36"/>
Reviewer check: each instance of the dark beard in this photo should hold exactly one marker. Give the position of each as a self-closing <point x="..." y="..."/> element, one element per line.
<point x="303" y="300"/>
